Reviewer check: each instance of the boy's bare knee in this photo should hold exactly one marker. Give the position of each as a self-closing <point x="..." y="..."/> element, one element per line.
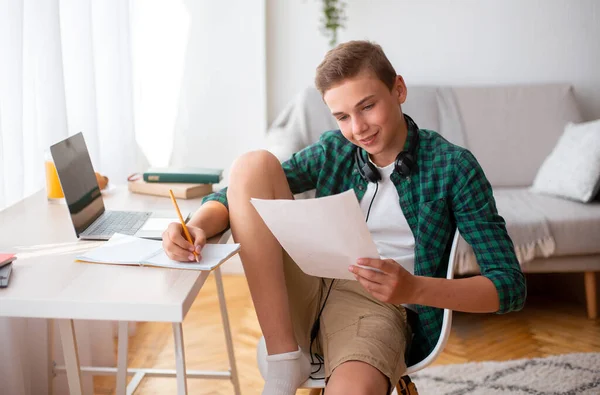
<point x="252" y="164"/>
<point x="258" y="174"/>
<point x="354" y="386"/>
<point x="357" y="378"/>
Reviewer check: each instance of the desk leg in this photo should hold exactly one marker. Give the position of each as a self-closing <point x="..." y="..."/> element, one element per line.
<point x="122" y="358"/>
<point x="51" y="374"/>
<point x="180" y="359"/>
<point x="228" y="339"/>
<point x="69" y="346"/>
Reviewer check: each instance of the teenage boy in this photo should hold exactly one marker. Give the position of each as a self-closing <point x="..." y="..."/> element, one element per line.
<point x="415" y="189"/>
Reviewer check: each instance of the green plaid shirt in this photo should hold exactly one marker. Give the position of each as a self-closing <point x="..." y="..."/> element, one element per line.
<point x="447" y="191"/>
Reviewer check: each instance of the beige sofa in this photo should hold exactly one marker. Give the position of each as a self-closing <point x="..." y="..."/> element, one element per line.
<point x="511" y="130"/>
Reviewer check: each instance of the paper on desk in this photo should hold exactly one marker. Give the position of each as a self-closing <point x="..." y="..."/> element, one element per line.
<point x="324" y="236"/>
<point x="122" y="249"/>
<point x="127" y="250"/>
<point x="158" y="224"/>
<point x="212" y="256"/>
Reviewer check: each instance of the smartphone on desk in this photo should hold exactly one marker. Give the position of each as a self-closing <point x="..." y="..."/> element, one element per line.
<point x="5" y="272"/>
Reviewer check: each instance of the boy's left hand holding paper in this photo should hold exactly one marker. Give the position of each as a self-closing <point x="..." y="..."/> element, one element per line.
<point x="389" y="282"/>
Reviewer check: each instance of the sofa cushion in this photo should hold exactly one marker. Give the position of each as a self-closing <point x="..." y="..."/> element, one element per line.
<point x="526" y="224"/>
<point x="572" y="170"/>
<point x="299" y="124"/>
<point x="512" y="129"/>
<point x="421" y="105"/>
<point x="574" y="227"/>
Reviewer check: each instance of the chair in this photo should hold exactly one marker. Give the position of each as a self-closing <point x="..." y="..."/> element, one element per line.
<point x="317" y="385"/>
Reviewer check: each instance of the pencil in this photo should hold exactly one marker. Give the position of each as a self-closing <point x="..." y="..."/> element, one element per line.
<point x="185" y="229"/>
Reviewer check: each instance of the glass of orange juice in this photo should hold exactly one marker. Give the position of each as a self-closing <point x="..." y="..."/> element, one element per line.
<point x="53" y="188"/>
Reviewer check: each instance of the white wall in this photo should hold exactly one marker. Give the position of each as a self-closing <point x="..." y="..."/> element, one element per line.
<point x="446" y="42"/>
<point x="222" y="110"/>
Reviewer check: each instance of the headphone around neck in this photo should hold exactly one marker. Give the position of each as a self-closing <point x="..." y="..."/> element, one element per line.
<point x="405" y="161"/>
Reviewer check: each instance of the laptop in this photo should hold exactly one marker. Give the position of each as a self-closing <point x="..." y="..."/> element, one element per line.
<point x="86" y="207"/>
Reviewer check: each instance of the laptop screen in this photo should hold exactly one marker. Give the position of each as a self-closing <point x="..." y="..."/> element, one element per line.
<point x="78" y="181"/>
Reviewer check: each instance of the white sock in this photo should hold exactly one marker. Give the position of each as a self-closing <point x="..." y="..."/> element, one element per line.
<point x="285" y="372"/>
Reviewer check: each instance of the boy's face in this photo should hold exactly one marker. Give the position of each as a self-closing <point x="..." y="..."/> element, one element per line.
<point x="369" y="115"/>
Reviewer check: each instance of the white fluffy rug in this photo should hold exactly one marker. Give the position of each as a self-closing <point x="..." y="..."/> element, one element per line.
<point x="559" y="374"/>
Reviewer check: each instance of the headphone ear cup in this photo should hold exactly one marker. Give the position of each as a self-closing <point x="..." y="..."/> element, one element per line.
<point x="365" y="168"/>
<point x="371" y="173"/>
<point x="404" y="164"/>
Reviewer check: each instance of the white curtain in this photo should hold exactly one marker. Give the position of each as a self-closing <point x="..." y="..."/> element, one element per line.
<point x="32" y="94"/>
<point x="81" y="65"/>
<point x="111" y="69"/>
<point x="66" y="67"/>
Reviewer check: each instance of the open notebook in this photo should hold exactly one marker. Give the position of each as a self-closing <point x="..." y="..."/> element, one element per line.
<point x="130" y="250"/>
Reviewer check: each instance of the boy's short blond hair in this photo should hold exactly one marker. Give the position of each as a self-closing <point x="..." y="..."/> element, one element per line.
<point x="349" y="59"/>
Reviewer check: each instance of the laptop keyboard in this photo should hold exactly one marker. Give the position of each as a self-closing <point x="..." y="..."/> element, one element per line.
<point x="110" y="222"/>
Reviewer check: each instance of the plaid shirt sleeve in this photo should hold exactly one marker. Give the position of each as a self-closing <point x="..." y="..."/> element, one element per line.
<point x="301" y="170"/>
<point x="219" y="196"/>
<point x="484" y="229"/>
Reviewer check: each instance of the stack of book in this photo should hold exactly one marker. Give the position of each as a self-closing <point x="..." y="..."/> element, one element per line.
<point x="186" y="183"/>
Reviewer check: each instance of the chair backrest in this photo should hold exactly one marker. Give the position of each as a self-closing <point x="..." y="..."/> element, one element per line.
<point x="446" y="320"/>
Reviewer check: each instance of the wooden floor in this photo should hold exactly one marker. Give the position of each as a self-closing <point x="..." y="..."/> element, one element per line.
<point x="544" y="327"/>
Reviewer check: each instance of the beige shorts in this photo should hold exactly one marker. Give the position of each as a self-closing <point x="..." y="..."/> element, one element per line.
<point x="354" y="325"/>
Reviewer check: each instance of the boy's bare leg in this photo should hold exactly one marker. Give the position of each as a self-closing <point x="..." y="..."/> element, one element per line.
<point x="357" y="377"/>
<point x="260" y="175"/>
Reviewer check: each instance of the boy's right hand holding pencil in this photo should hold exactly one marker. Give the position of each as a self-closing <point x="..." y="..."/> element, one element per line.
<point x="183" y="243"/>
<point x="178" y="248"/>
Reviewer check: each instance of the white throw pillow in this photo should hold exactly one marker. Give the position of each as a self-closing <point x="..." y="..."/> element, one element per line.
<point x="572" y="170"/>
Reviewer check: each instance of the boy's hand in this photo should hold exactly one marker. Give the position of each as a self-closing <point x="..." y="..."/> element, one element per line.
<point x="390" y="284"/>
<point x="176" y="245"/>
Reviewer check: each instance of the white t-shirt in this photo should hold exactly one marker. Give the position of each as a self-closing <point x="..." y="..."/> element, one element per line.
<point x="387" y="223"/>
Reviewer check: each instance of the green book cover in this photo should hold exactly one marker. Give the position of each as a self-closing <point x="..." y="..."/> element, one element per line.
<point x="192" y="175"/>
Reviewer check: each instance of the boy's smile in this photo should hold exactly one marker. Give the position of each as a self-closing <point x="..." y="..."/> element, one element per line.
<point x="369" y="115"/>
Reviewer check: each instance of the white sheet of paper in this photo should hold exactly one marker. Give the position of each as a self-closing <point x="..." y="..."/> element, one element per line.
<point x="324" y="236"/>
<point x="124" y="249"/>
<point x="212" y="256"/>
<point x="158" y="224"/>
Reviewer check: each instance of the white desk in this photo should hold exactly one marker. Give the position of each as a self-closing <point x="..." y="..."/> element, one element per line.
<point x="48" y="283"/>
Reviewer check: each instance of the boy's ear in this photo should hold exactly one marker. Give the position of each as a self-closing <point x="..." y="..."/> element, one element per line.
<point x="400" y="90"/>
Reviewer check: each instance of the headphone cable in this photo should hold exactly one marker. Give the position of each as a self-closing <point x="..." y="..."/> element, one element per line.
<point x="313" y="335"/>
<point x="372" y="200"/>
<point x="314" y="331"/>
